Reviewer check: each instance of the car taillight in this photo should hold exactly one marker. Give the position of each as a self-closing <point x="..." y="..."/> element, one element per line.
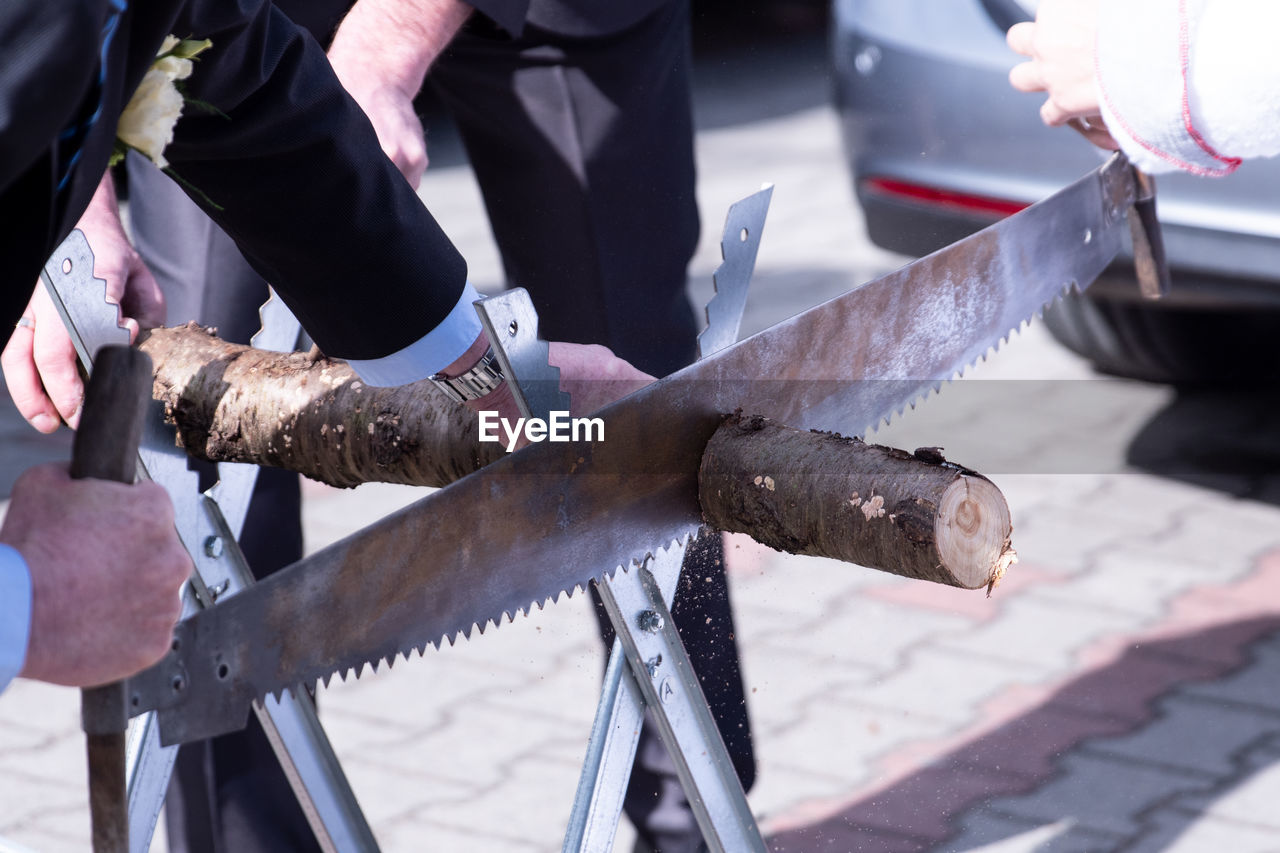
<point x="935" y="197"/>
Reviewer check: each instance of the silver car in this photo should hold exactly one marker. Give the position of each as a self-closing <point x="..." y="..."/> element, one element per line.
<point x="940" y="145"/>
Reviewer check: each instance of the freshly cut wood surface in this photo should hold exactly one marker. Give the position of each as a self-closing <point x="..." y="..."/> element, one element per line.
<point x="915" y="515"/>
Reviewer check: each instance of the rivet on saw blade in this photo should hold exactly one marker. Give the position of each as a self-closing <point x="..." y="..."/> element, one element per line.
<point x="650" y="621"/>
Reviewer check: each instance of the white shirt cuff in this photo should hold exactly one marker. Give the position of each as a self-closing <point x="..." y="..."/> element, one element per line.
<point x="430" y="354"/>
<point x="15" y="614"/>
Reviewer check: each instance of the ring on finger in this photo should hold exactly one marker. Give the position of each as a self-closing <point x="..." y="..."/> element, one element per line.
<point x="25" y="322"/>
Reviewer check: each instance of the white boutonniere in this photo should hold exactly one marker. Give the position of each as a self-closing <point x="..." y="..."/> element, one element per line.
<point x="147" y="123"/>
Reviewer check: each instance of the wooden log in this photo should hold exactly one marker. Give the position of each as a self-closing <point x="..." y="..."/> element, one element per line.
<point x="232" y="403"/>
<point x="807" y="493"/>
<point x="817" y="493"/>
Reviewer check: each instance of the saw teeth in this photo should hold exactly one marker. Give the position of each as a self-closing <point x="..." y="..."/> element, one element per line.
<point x="887" y="420"/>
<point x="355" y="672"/>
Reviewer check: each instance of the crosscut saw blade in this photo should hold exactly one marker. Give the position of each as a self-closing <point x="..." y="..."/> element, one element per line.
<point x="555" y="516"/>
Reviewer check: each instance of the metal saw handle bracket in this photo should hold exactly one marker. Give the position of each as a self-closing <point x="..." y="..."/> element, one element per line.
<point x="512" y="326"/>
<point x="739" y="245"/>
<point x="1127" y="190"/>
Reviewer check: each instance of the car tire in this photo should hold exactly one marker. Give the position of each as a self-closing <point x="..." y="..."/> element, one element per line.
<point x="1168" y="343"/>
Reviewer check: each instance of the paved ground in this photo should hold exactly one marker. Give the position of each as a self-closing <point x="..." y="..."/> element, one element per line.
<point x="1118" y="692"/>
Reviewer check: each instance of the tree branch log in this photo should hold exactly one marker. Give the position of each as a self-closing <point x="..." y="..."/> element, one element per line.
<point x="232" y="403"/>
<point x="807" y="493"/>
<point x="822" y="494"/>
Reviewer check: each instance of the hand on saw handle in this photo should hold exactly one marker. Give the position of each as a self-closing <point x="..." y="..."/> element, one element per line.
<point x="1061" y="46"/>
<point x="106" y="568"/>
<point x="592" y="375"/>
<point x="39" y="361"/>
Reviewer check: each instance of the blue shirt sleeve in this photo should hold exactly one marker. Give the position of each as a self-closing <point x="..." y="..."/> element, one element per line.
<point x="430" y="354"/>
<point x="15" y="614"/>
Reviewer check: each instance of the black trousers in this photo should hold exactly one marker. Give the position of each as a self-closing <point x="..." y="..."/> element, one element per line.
<point x="583" y="149"/>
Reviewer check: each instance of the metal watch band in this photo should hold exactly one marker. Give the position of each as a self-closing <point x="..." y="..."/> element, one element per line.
<point x="486" y="376"/>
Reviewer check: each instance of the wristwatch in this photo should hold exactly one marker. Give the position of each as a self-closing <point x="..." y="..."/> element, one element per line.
<point x="485" y="377"/>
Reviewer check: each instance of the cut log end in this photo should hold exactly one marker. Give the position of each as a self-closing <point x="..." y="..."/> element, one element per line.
<point x="914" y="515"/>
<point x="972" y="532"/>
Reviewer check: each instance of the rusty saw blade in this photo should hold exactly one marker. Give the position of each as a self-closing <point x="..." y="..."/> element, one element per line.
<point x="554" y="516"/>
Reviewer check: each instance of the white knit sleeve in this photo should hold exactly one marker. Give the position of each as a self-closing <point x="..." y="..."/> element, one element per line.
<point x="1234" y="76"/>
<point x="1183" y="82"/>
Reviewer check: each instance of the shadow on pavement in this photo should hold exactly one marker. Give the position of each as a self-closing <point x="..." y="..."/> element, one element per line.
<point x="1225" y="439"/>
<point x="1017" y="780"/>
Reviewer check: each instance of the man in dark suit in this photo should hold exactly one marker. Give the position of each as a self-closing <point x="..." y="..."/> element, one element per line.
<point x="378" y="283"/>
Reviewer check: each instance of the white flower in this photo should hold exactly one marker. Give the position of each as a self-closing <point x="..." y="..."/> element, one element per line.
<point x="147" y="122"/>
<point x="173" y="67"/>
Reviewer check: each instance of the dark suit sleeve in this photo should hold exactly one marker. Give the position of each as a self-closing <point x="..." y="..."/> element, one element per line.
<point x="48" y="54"/>
<point x="508" y="14"/>
<point x="304" y="187"/>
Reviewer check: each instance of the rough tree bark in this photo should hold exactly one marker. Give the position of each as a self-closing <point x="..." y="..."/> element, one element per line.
<point x="818" y="493"/>
<point x="807" y="493"/>
<point x="232" y="403"/>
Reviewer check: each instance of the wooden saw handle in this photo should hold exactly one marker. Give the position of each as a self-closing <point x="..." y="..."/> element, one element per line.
<point x="106" y="448"/>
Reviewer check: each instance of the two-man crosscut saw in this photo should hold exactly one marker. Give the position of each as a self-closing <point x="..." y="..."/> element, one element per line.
<point x="555" y="516"/>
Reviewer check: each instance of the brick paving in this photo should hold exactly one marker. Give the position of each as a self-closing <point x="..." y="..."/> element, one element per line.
<point x="1117" y="693"/>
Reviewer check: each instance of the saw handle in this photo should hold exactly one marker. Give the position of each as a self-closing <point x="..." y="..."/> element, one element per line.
<point x="1150" y="265"/>
<point x="1148" y="241"/>
<point x="106" y="448"/>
